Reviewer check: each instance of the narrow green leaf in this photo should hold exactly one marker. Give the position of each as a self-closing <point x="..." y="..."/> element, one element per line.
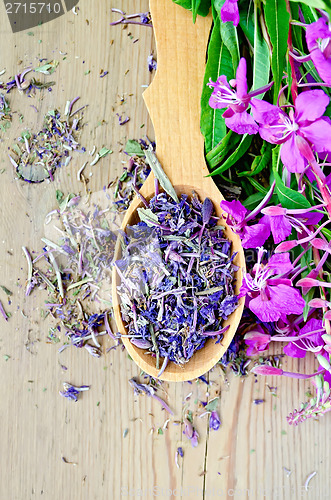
<point x="247" y="24"/>
<point x="288" y="197"/>
<point x="297" y="31"/>
<point x="316" y="4"/>
<point x="257" y="185"/>
<point x="195" y="8"/>
<point x="228" y="34"/>
<point x="235" y="156"/>
<point x="219" y="62"/>
<point x="259" y="162"/>
<point x="261" y="59"/>
<point x="309" y="13"/>
<point x="277" y="21"/>
<point x="219" y="152"/>
<point x="146" y="215"/>
<point x="160" y="174"/>
<point x="200" y="7"/>
<point x="254" y="199"/>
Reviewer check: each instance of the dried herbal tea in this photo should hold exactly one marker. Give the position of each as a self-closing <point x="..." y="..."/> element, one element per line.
<point x="5" y="113"/>
<point x="37" y="155"/>
<point x="177" y="278"/>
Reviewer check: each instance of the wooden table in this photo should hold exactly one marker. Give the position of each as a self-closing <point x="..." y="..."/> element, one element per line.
<point x="246" y="457"/>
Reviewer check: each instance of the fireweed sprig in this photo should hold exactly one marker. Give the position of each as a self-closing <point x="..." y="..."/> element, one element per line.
<point x="272" y="134"/>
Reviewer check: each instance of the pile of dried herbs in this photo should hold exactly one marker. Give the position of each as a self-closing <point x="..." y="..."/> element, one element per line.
<point x="177" y="275"/>
<point x="36" y="156"/>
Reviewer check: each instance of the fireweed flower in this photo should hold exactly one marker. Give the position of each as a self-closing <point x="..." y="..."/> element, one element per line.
<point x="282" y="220"/>
<point x="238" y="217"/>
<point x="234" y="97"/>
<point x="318" y="38"/>
<point x="312" y="342"/>
<point x="304" y="127"/>
<point x="257" y="341"/>
<point x="269" y="296"/>
<point x="230" y="12"/>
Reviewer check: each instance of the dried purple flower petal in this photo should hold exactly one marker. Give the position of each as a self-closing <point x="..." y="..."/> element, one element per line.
<point x="177" y="277"/>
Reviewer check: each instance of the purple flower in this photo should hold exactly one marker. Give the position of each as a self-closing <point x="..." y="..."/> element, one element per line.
<point x="257" y="340"/>
<point x="235" y="99"/>
<point x="238" y="216"/>
<point x="191" y="433"/>
<point x="281" y="221"/>
<point x="270" y="297"/>
<point x="313" y="342"/>
<point x="152" y="64"/>
<point x="296" y="132"/>
<point x="72" y="392"/>
<point x="214" y="421"/>
<point x="318" y="38"/>
<point x="230" y="12"/>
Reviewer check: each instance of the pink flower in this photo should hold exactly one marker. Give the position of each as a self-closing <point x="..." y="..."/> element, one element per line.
<point x="235" y="99"/>
<point x="313" y="342"/>
<point x="282" y="220"/>
<point x="303" y="128"/>
<point x="257" y="340"/>
<point x="230" y="12"/>
<point x="318" y="38"/>
<point x="267" y="370"/>
<point x="238" y="217"/>
<point x="269" y="296"/>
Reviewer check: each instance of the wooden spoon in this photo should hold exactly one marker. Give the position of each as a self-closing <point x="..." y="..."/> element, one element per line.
<point x="173" y="101"/>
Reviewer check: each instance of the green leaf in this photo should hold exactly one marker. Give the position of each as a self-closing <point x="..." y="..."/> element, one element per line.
<point x="316" y="4"/>
<point x="235" y="156"/>
<point x="195" y="8"/>
<point x="309" y="13"/>
<point x="297" y="31"/>
<point x="219" y="152"/>
<point x="219" y="62"/>
<point x="228" y="34"/>
<point x="261" y="59"/>
<point x="259" y="162"/>
<point x="200" y="7"/>
<point x="159" y="173"/>
<point x="133" y="148"/>
<point x="288" y="197"/>
<point x="59" y="195"/>
<point x="277" y="21"/>
<point x="212" y="405"/>
<point x="253" y="200"/>
<point x="257" y="186"/>
<point x="247" y="24"/>
<point x="146" y="215"/>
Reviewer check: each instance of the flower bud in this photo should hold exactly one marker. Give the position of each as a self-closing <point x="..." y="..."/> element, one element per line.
<point x="323" y="362"/>
<point x="285" y="246"/>
<point x="267" y="370"/>
<point x="274" y="211"/>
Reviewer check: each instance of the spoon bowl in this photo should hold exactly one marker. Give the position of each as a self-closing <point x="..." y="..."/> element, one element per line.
<point x="173" y="101"/>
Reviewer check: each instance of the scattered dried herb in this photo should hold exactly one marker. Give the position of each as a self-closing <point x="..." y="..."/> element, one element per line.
<point x="36" y="156"/>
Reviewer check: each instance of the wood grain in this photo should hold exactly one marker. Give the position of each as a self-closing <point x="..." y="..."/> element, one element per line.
<point x="38" y="427"/>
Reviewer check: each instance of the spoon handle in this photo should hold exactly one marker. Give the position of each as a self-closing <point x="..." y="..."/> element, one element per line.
<point x="173" y="98"/>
